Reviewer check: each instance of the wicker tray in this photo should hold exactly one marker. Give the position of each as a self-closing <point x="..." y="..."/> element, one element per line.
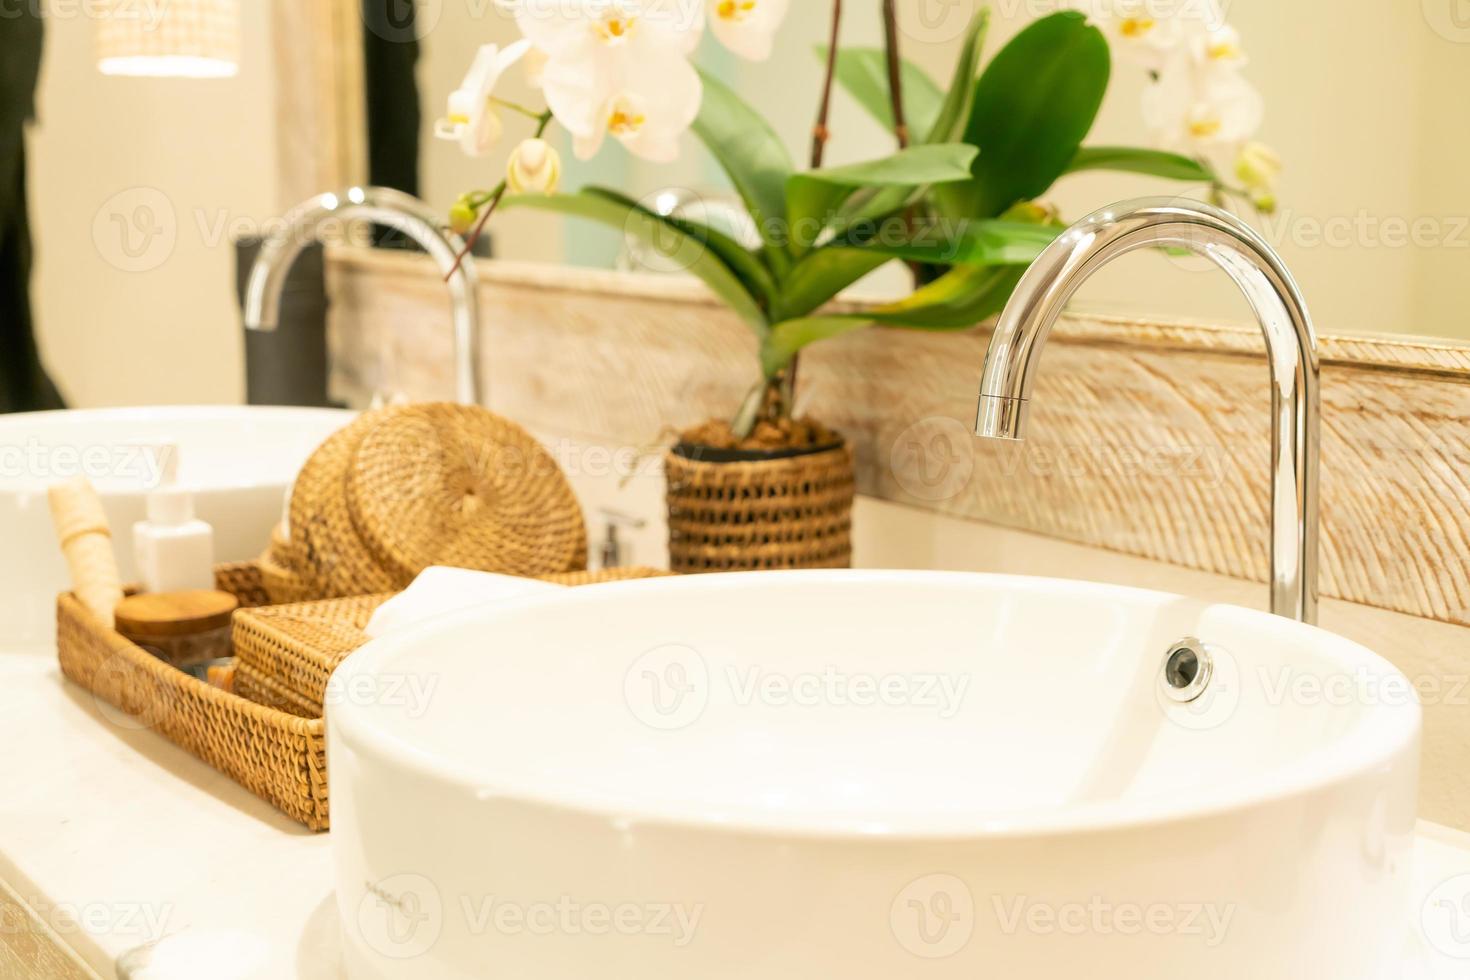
<point x="278" y="755"/>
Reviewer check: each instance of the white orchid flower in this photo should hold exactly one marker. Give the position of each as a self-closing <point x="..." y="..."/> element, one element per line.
<point x="472" y="120"/>
<point x="1219" y="48"/>
<point x="569" y="28"/>
<point x="1145" y="32"/>
<point x="646" y="104"/>
<point x="1202" y="112"/>
<point x="619" y="67"/>
<point x="534" y="168"/>
<point x="748" y="27"/>
<point x="1150" y="32"/>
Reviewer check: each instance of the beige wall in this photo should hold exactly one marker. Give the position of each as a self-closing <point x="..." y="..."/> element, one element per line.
<point x="151" y="319"/>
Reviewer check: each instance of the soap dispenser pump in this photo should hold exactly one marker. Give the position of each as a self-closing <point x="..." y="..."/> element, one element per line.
<point x="174" y="550"/>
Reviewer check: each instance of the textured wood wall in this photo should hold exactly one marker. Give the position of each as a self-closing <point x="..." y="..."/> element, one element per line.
<point x="1149" y="439"/>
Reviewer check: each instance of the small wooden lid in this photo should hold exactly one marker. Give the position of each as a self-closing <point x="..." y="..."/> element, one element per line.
<point x="175" y="613"/>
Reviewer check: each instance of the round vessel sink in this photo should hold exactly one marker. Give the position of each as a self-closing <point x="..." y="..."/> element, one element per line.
<point x="870" y="775"/>
<point x="238" y="460"/>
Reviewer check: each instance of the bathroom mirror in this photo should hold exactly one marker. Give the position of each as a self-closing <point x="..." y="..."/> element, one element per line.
<point x="1364" y="105"/>
<point x="139" y="187"/>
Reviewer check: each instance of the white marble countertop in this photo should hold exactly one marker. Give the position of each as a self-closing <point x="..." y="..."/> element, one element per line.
<point x="114" y="837"/>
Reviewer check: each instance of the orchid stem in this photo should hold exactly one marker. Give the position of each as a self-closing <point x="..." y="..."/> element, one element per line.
<point x="820" y="135"/>
<point x="895" y="71"/>
<point x="543" y="120"/>
<point x="526" y="111"/>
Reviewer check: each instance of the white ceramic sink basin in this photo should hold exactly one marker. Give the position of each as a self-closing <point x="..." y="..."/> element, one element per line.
<point x="872" y="776"/>
<point x="238" y="460"/>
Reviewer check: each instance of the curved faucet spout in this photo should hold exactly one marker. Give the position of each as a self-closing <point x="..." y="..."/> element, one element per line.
<point x="395" y="209"/>
<point x="1291" y="345"/>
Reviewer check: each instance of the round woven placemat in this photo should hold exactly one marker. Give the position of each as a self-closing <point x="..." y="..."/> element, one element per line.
<point x="446" y="484"/>
<point x="326" y="553"/>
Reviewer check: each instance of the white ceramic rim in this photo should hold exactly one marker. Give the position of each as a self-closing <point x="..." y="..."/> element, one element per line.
<point x="16" y="424"/>
<point x="1384" y="732"/>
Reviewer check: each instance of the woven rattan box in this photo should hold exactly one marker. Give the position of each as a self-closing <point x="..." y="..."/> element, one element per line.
<point x="276" y="749"/>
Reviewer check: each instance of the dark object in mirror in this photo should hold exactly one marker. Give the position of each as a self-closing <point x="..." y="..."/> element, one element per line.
<point x="24" y="385"/>
<point x="394" y="116"/>
<point x="289" y="365"/>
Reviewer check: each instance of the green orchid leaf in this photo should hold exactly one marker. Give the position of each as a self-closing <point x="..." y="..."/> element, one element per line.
<point x="751" y="154"/>
<point x="1033" y="106"/>
<point x="944" y="241"/>
<point x="916" y="165"/>
<point x="873" y="204"/>
<point x="751" y="271"/>
<point x="689" y="251"/>
<point x="863" y="73"/>
<point x="958" y="300"/>
<point x="821" y="275"/>
<point x="814" y="200"/>
<point x="956" y="109"/>
<point x="1152" y="163"/>
<point x="789" y="337"/>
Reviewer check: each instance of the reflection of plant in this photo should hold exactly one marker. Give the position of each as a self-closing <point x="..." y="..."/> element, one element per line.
<point x="1199" y="103"/>
<point x="1032" y="106"/>
<point x="958" y="194"/>
<point x="620" y="68"/>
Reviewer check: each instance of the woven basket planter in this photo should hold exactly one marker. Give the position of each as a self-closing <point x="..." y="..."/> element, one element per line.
<point x="732" y="513"/>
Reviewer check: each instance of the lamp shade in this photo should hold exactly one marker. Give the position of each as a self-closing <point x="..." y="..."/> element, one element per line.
<point x="177" y="39"/>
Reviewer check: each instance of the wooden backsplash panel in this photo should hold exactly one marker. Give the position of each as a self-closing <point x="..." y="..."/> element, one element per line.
<point x="1150" y="439"/>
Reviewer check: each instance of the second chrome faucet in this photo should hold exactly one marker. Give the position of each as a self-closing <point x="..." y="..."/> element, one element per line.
<point x="401" y="212"/>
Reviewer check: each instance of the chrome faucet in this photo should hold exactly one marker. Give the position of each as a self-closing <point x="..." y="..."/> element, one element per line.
<point x="403" y="213"/>
<point x="1291" y="348"/>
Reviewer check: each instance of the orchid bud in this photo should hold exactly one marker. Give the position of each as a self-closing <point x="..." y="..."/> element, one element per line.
<point x="535" y="168"/>
<point x="1258" y="166"/>
<point x="462" y="217"/>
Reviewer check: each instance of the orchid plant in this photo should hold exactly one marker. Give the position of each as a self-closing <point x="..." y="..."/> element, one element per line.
<point x="959" y="192"/>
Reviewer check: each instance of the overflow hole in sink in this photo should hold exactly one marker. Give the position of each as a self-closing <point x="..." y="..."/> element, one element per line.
<point x="1188" y="668"/>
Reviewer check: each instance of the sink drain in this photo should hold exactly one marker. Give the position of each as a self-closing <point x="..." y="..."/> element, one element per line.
<point x="1188" y="668"/>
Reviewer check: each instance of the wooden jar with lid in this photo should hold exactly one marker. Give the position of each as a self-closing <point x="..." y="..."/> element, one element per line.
<point x="189" y="630"/>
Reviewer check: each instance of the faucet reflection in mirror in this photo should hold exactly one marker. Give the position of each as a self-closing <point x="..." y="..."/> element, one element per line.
<point x="401" y="212"/>
<point x="1291" y="348"/>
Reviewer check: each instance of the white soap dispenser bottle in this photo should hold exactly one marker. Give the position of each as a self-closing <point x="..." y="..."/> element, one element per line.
<point x="174" y="549"/>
